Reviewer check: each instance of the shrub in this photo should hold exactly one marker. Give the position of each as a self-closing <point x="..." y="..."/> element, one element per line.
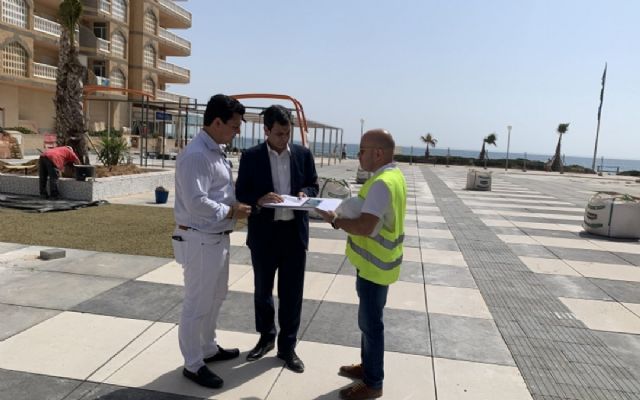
<point x="113" y="150"/>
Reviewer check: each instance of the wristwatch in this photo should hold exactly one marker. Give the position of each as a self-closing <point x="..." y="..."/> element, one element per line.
<point x="333" y="222"/>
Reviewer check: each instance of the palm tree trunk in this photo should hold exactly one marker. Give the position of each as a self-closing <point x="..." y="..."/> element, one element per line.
<point x="426" y="152"/>
<point x="482" y="152"/>
<point x="556" y="164"/>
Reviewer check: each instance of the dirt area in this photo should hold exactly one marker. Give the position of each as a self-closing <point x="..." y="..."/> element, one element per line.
<point x="101" y="170"/>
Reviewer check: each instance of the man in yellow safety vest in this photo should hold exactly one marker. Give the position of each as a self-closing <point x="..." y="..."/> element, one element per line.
<point x="376" y="252"/>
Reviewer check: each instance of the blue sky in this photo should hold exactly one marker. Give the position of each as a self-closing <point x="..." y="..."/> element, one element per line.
<point x="457" y="69"/>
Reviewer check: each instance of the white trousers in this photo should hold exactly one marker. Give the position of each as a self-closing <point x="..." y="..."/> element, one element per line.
<point x="205" y="262"/>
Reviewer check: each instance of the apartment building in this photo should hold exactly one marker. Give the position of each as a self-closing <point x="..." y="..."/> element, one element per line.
<point x="123" y="44"/>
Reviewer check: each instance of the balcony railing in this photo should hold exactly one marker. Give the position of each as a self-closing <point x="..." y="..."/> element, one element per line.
<point x="102" y="81"/>
<point x="44" y="71"/>
<point x="174" y="69"/>
<point x="103" y="46"/>
<point x="173" y="7"/>
<point x="104" y="6"/>
<point x="173" y="38"/>
<point x="161" y="95"/>
<point x="47" y="26"/>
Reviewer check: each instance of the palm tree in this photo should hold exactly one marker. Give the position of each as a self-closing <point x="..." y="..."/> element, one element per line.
<point x="491" y="139"/>
<point x="69" y="123"/>
<point x="556" y="162"/>
<point x="429" y="140"/>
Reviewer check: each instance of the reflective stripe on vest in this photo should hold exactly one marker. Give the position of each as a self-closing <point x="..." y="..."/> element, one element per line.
<point x="386" y="243"/>
<point x="373" y="259"/>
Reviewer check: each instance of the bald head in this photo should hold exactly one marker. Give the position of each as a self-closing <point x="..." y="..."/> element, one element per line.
<point x="380" y="139"/>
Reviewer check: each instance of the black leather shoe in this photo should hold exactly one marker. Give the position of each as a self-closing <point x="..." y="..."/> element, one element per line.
<point x="204" y="377"/>
<point x="262" y="348"/>
<point x="223" y="355"/>
<point x="293" y="362"/>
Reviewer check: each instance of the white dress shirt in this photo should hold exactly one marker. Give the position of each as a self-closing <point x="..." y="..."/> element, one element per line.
<point x="281" y="177"/>
<point x="204" y="186"/>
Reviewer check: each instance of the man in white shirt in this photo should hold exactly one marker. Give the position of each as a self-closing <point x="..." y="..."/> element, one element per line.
<point x="205" y="211"/>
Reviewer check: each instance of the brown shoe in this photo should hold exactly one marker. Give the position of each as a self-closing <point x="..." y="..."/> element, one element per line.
<point x="353" y="371"/>
<point x="360" y="391"/>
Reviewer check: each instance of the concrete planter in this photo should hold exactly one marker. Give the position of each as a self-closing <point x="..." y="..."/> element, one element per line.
<point x="99" y="189"/>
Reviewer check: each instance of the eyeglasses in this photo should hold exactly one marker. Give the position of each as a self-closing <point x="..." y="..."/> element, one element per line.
<point x="362" y="149"/>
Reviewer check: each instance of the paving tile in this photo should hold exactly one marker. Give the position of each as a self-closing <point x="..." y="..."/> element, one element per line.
<point x="444" y="275"/>
<point x="90" y="390"/>
<point x="54" y="289"/>
<point x="15" y="319"/>
<point x="159" y="368"/>
<point x="586" y="255"/>
<point x="573" y="287"/>
<point x="324" y="383"/>
<point x="327" y="246"/>
<point x="626" y="347"/>
<point x="136" y="300"/>
<point x="6" y="247"/>
<point x="83" y="342"/>
<point x="443" y="257"/>
<point x="463" y="302"/>
<point x="469" y="339"/>
<point x="337" y="323"/>
<point x="172" y="274"/>
<point x="604" y="315"/>
<point x="316" y="284"/>
<point x="410" y="271"/>
<point x="621" y="291"/>
<point x="107" y="265"/>
<point x="552" y="266"/>
<point x="478" y="381"/>
<point x="319" y="262"/>
<point x="240" y="255"/>
<point x="435" y="233"/>
<point x="20" y="385"/>
<point x="10" y="274"/>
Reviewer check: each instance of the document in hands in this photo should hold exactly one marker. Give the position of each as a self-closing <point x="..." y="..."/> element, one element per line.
<point x="306" y="203"/>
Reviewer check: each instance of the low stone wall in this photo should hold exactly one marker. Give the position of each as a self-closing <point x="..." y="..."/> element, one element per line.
<point x="100" y="189"/>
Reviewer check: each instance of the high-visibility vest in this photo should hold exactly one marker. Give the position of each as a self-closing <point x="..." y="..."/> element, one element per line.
<point x="378" y="258"/>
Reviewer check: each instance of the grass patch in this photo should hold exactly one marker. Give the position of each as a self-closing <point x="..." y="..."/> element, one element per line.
<point x="110" y="228"/>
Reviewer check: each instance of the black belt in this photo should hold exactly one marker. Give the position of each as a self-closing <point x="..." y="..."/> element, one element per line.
<point x="188" y="228"/>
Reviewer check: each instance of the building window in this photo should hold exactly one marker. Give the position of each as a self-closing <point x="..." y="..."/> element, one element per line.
<point x="119" y="10"/>
<point x="149" y="56"/>
<point x="14" y="12"/>
<point x="149" y="87"/>
<point x="150" y="22"/>
<point x="117" y="79"/>
<point x="100" y="68"/>
<point x="100" y="30"/>
<point x="118" y="46"/>
<point x="14" y="60"/>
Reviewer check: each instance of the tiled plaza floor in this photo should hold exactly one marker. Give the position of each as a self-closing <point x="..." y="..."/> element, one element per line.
<point x="103" y="326"/>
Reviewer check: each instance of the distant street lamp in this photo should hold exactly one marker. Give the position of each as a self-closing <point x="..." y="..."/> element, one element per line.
<point x="506" y="166"/>
<point x="361" y="126"/>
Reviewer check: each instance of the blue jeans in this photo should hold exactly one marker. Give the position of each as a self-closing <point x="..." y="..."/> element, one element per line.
<point x="373" y="297"/>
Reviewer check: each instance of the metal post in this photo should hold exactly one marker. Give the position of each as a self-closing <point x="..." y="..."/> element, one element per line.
<point x="108" y="119"/>
<point x="322" y="149"/>
<point x="524" y="163"/>
<point x="330" y="142"/>
<point x="315" y="134"/>
<point x="361" y="126"/>
<point x="448" y="152"/>
<point x="342" y="144"/>
<point x="164" y="128"/>
<point x="411" y="157"/>
<point x="506" y="165"/>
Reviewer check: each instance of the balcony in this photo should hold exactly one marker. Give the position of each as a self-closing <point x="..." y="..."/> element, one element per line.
<point x="172" y="40"/>
<point x="161" y="95"/>
<point x="47" y="26"/>
<point x="103" y="46"/>
<point x="173" y="16"/>
<point x="173" y="69"/>
<point x="104" y="7"/>
<point x="44" y="71"/>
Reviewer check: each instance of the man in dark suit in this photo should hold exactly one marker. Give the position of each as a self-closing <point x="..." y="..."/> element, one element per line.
<point x="278" y="238"/>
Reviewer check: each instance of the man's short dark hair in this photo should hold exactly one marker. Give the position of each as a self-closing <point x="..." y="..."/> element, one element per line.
<point x="276" y="113"/>
<point x="223" y="107"/>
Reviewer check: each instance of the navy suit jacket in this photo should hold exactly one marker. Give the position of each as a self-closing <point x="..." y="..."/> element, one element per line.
<point x="255" y="180"/>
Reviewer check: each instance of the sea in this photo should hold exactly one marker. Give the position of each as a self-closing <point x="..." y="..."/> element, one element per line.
<point x="609" y="164"/>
